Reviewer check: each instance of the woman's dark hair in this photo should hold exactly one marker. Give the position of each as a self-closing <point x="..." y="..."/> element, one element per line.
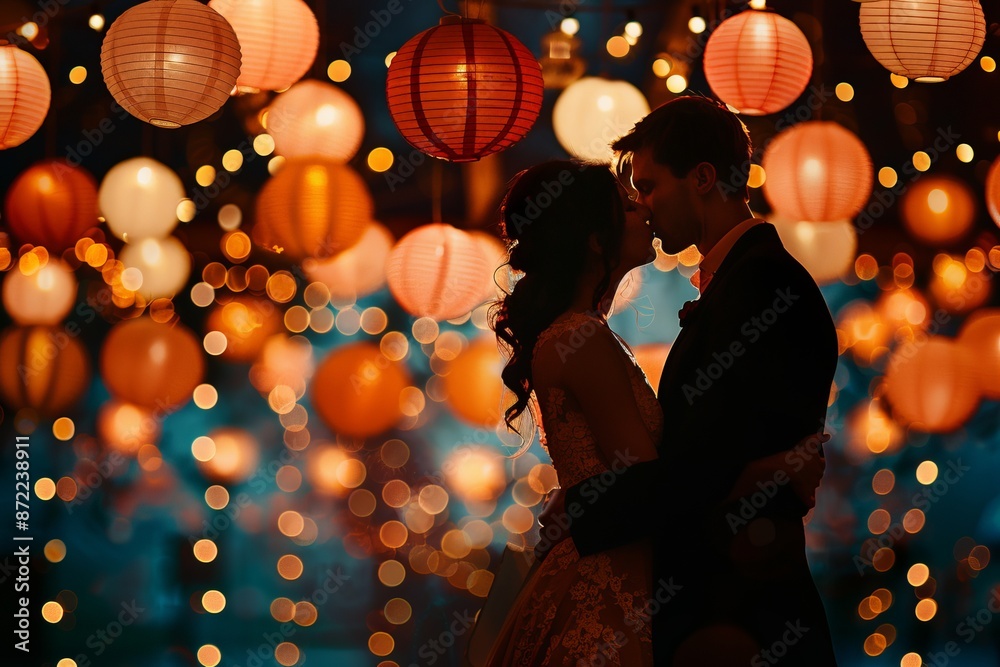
<point x="546" y="218"/>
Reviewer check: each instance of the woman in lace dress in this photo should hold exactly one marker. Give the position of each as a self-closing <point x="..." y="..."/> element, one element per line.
<point x="575" y="234"/>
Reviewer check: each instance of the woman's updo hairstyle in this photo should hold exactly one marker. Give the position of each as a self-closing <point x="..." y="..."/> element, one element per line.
<point x="547" y="218"/>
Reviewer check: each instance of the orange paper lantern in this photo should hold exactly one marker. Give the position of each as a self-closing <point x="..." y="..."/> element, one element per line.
<point x="758" y="62"/>
<point x="463" y="90"/>
<point x="247" y="323"/>
<point x="52" y="204"/>
<point x="357" y="271"/>
<point x="42" y="368"/>
<point x="437" y="271"/>
<point x="938" y="209"/>
<point x="932" y="386"/>
<point x="45" y="296"/>
<point x="170" y="62"/>
<point x="825" y="249"/>
<point x="150" y="364"/>
<point x="313" y="207"/>
<point x="24" y="96"/>
<point x="817" y="171"/>
<point x="980" y="335"/>
<point x="316" y="118"/>
<point x="279" y="39"/>
<point x="924" y="40"/>
<point x="356" y="390"/>
<point x="472" y="383"/>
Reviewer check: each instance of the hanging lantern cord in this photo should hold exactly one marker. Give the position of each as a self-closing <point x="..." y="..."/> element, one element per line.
<point x="447" y="11"/>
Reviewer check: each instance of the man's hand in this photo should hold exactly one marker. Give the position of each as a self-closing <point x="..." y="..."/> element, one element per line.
<point x="552" y="532"/>
<point x="802" y="467"/>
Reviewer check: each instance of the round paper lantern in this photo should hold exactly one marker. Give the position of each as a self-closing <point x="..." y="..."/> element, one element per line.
<point x="139" y="198"/>
<point x="42" y="368"/>
<point x="957" y="289"/>
<point x="170" y="62"/>
<point x="980" y="335"/>
<point x="52" y="204"/>
<point x="231" y="457"/>
<point x="993" y="191"/>
<point x="24" y="96"/>
<point x="592" y="112"/>
<point x="472" y="383"/>
<point x="357" y="271"/>
<point x="904" y="311"/>
<point x="938" y="209"/>
<point x="356" y="390"/>
<point x="316" y="118"/>
<point x="150" y="364"/>
<point x="925" y="40"/>
<point x="164" y="266"/>
<point x="499" y="277"/>
<point x="463" y="90"/>
<point x="44" y="297"/>
<point x="247" y="323"/>
<point x="825" y="249"/>
<point x="279" y="39"/>
<point x="817" y="171"/>
<point x="475" y="474"/>
<point x="313" y="207"/>
<point x="758" y="62"/>
<point x="125" y="427"/>
<point x="932" y="387"/>
<point x="437" y="271"/>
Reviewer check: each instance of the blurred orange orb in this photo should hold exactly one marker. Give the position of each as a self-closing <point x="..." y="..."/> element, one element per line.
<point x="472" y="383"/>
<point x="247" y="323"/>
<point x="356" y="390"/>
<point x="236" y="456"/>
<point x="44" y="297"/>
<point x="43" y="368"/>
<point x="150" y="364"/>
<point x="981" y="336"/>
<point x="475" y="473"/>
<point x="316" y="118"/>
<point x="126" y="427"/>
<point x="357" y="271"/>
<point x="51" y="204"/>
<point x="932" y="385"/>
<point x="938" y="209"/>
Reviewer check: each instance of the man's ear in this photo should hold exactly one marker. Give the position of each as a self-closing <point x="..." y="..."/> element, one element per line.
<point x="704" y="177"/>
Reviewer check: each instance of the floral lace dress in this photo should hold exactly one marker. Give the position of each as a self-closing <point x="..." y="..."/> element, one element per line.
<point x="585" y="610"/>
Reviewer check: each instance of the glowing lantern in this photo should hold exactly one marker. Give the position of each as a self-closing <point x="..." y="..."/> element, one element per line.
<point x="871" y="431"/>
<point x="500" y="278"/>
<point x="463" y="90"/>
<point x="52" y="204"/>
<point x="861" y="329"/>
<point x="44" y="297"/>
<point x="356" y="390"/>
<point x="993" y="191"/>
<point x="150" y="364"/>
<point x="938" y="209"/>
<point x="437" y="271"/>
<point x="42" y="368"/>
<point x="170" y="62"/>
<point x="357" y="271"/>
<point x="825" y="249"/>
<point x="24" y="96"/>
<point x="316" y="118"/>
<point x="472" y="383"/>
<point x="981" y="336"/>
<point x="932" y="386"/>
<point x="247" y="323"/>
<point x="232" y="457"/>
<point x="313" y="207"/>
<point x="475" y="473"/>
<point x="164" y="265"/>
<point x="592" y="112"/>
<point x="924" y="40"/>
<point x="126" y="427"/>
<point x="955" y="287"/>
<point x="139" y="199"/>
<point x="904" y="312"/>
<point x="817" y="171"/>
<point x="278" y="38"/>
<point x="758" y="62"/>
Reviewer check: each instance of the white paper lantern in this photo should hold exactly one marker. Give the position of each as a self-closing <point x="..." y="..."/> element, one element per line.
<point x="163" y="264"/>
<point x="826" y="249"/>
<point x="139" y="199"/>
<point x="316" y="118"/>
<point x="593" y="112"/>
<point x="44" y="297"/>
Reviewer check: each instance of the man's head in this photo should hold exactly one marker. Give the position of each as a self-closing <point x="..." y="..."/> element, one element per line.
<point x="687" y="156"/>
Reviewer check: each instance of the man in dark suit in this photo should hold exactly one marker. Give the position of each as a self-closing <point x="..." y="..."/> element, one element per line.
<point x="747" y="379"/>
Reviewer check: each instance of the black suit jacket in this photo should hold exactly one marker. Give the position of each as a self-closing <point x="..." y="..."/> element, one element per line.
<point x="749" y="375"/>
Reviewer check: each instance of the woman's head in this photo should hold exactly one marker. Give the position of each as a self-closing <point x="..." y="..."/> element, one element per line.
<point x="560" y="219"/>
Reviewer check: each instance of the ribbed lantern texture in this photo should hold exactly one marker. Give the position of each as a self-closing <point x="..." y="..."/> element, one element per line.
<point x="24" y="96"/>
<point x="316" y="118"/>
<point x="463" y="90"/>
<point x="51" y="204"/>
<point x="758" y="62"/>
<point x="171" y="62"/>
<point x="279" y="39"/>
<point x="817" y="171"/>
<point x="925" y="40"/>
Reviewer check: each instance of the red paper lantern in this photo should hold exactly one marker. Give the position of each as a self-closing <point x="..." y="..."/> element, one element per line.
<point x="171" y="62"/>
<point x="52" y="204"/>
<point x="817" y="171"/>
<point x="758" y="62"/>
<point x="313" y="207"/>
<point x="924" y="40"/>
<point x="437" y="271"/>
<point x="463" y="90"/>
<point x="24" y="96"/>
